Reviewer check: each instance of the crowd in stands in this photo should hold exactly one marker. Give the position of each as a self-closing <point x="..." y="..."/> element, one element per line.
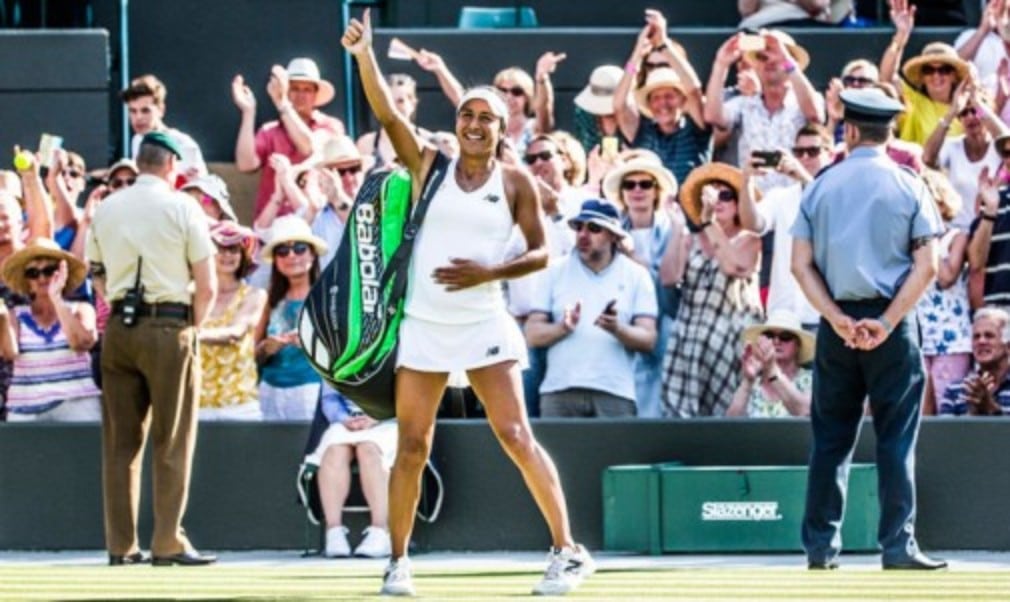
<point x="656" y="203"/>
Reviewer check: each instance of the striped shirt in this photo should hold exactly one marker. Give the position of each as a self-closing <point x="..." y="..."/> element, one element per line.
<point x="47" y="371"/>
<point x="997" y="268"/>
<point x="953" y="402"/>
<point x="681" y="151"/>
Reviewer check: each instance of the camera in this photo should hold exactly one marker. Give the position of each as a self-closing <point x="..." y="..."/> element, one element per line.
<point x="767" y="158"/>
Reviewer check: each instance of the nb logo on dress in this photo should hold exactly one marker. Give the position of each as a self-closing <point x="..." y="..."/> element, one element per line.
<point x="492" y="351"/>
<point x="492" y="198"/>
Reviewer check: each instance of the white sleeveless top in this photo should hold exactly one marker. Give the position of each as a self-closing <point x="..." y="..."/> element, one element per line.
<point x="467" y="225"/>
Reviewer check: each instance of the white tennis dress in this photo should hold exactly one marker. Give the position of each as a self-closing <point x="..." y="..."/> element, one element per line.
<point x="446" y="331"/>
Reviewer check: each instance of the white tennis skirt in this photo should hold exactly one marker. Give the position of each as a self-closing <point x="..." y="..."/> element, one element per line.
<point x="434" y="347"/>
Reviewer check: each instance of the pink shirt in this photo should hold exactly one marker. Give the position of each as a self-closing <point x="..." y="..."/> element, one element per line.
<point x="273" y="138"/>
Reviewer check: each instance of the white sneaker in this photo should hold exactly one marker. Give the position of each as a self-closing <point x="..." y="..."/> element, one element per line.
<point x="566" y="569"/>
<point x="376" y="544"/>
<point x="397" y="581"/>
<point x="336" y="543"/>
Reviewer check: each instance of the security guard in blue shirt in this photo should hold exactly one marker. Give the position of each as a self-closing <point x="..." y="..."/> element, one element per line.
<point x="864" y="251"/>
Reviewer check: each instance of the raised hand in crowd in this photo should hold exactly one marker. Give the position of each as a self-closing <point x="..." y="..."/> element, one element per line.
<point x="543" y="96"/>
<point x="278" y="86"/>
<point x="1002" y="84"/>
<point x="903" y="17"/>
<point x="243" y="96"/>
<point x="38" y="204"/>
<point x="54" y="290"/>
<point x="747" y="81"/>
<point x="433" y="63"/>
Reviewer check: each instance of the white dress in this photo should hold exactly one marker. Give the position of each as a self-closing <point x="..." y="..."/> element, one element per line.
<point x="445" y="331"/>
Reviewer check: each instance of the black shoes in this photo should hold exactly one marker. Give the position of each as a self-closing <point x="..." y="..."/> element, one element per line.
<point x="187" y="558"/>
<point x="918" y="562"/>
<point x="827" y="565"/>
<point x="135" y="558"/>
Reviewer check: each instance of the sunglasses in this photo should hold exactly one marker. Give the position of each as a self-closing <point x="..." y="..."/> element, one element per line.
<point x="726" y="195"/>
<point x="1003" y="151"/>
<point x="352" y="169"/>
<point x="117" y="183"/>
<point x="34" y="273"/>
<point x="855" y="81"/>
<point x="593" y="228"/>
<point x="761" y="57"/>
<point x="968" y="112"/>
<point x="298" y="248"/>
<point x="941" y="69"/>
<point x="73" y="173"/>
<point x="233" y="249"/>
<point x="809" y="151"/>
<point x="532" y="158"/>
<point x="640" y="184"/>
<point x="514" y="91"/>
<point x="653" y="65"/>
<point x="208" y="200"/>
<point x="781" y="336"/>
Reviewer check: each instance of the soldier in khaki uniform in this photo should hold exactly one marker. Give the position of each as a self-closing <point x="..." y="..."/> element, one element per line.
<point x="155" y="236"/>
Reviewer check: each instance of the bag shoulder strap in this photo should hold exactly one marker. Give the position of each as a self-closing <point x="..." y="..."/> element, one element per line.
<point x="396" y="269"/>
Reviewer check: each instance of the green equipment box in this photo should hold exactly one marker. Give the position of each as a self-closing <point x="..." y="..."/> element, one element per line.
<point x="756" y="508"/>
<point x="656" y="508"/>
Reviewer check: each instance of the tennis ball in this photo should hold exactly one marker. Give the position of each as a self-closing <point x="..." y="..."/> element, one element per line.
<point x="23" y="161"/>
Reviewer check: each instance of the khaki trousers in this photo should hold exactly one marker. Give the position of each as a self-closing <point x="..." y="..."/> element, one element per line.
<point x="151" y="379"/>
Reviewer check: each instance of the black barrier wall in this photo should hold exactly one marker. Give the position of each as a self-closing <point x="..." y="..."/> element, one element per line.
<point x="55" y="82"/>
<point x="243" y="492"/>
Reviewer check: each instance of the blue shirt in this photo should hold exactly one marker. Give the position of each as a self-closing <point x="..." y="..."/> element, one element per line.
<point x="861" y="216"/>
<point x="288" y="367"/>
<point x="328" y="226"/>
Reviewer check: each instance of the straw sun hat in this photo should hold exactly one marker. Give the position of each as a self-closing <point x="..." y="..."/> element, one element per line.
<point x="784" y="320"/>
<point x="41" y="248"/>
<point x="612" y="183"/>
<point x="291" y="228"/>
<point x="934" y="52"/>
<point x="690" y="190"/>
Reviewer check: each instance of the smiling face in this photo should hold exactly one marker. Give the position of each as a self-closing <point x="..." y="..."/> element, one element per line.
<point x="228" y="260"/>
<point x="665" y="104"/>
<point x="939" y="80"/>
<point x="787" y="344"/>
<point x="477" y="128"/>
<point x="293" y="259"/>
<point x="639" y="191"/>
<point x="545" y="161"/>
<point x="987" y="343"/>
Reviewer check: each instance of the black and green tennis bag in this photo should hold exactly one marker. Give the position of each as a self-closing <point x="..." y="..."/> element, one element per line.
<point x="349" y="324"/>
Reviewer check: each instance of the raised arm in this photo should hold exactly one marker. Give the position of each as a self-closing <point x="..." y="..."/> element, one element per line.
<point x="727" y="54"/>
<point x="298" y="131"/>
<point x="750" y="218"/>
<point x="246" y="159"/>
<point x="433" y="63"/>
<point x="357" y="39"/>
<point x="990" y="18"/>
<point x="625" y="107"/>
<point x="806" y="94"/>
<point x="694" y="99"/>
<point x="981" y="238"/>
<point x="931" y="150"/>
<point x="38" y="205"/>
<point x="543" y="98"/>
<point x="903" y="17"/>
